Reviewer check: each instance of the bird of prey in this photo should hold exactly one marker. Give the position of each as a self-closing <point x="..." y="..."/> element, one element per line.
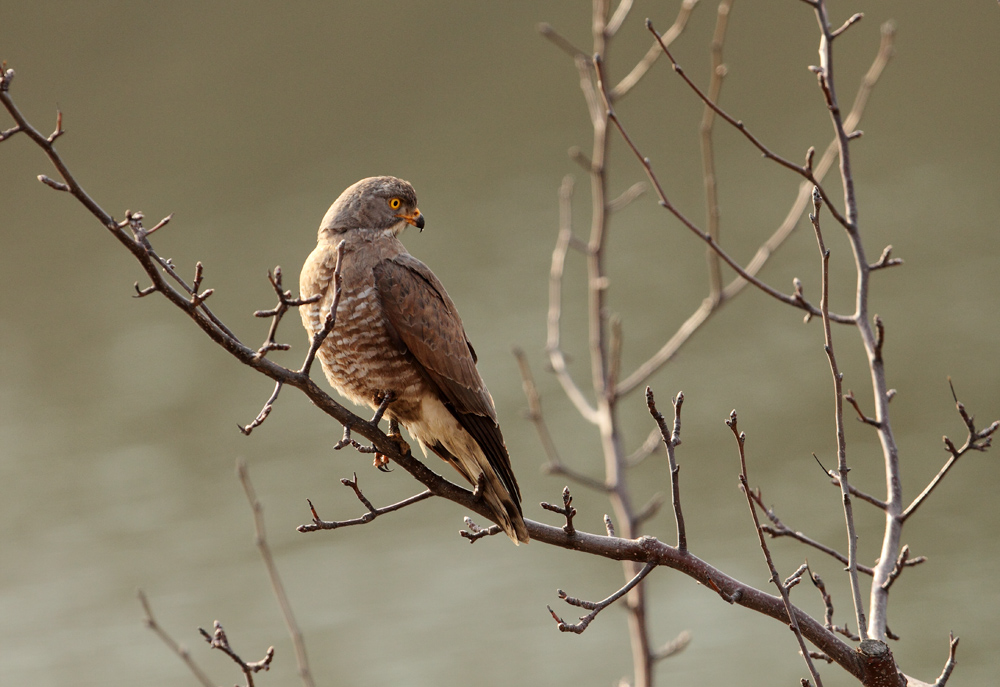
<point x="398" y="333"/>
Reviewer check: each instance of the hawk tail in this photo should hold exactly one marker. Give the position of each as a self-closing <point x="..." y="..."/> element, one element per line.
<point x="504" y="504"/>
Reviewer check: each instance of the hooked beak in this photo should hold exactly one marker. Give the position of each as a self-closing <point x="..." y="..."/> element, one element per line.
<point x="414" y="218"/>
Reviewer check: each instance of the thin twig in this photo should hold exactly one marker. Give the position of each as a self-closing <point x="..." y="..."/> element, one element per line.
<point x="654" y="52"/>
<point x="977" y="440"/>
<point x="567" y="511"/>
<point x="331" y="317"/>
<point x="835" y="479"/>
<point x="738" y="284"/>
<point x="260" y="537"/>
<point x="557" y="359"/>
<point x="804" y="172"/>
<point x="649" y="446"/>
<point x="475" y="533"/>
<point x="904" y="561"/>
<point x="704" y="236"/>
<point x="673" y="647"/>
<point x="217" y="639"/>
<point x="373" y="512"/>
<point x="775" y="579"/>
<point x="595" y="607"/>
<point x="838" y="391"/>
<point x="712" y="223"/>
<point x="264" y="412"/>
<point x="671" y="439"/>
<point x="779" y="529"/>
<point x="950" y="664"/>
<point x="181" y="651"/>
<point x="534" y="414"/>
<point x="285" y="301"/>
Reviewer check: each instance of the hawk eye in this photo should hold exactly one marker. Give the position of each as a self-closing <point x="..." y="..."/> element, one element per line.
<point x="394" y="203"/>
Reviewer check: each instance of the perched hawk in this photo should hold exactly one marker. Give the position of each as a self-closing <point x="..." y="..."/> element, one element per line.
<point x="398" y="332"/>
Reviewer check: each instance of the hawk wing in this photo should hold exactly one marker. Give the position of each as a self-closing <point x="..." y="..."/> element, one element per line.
<point x="427" y="323"/>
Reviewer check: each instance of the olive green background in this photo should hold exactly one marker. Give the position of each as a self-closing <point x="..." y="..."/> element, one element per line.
<point x="118" y="418"/>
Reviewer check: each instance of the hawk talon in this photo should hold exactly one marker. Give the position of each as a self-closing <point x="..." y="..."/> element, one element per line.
<point x="381" y="463"/>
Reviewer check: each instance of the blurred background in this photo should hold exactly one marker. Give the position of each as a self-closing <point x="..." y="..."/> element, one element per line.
<point x="118" y="417"/>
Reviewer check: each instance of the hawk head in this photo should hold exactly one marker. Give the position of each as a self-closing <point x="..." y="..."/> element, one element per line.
<point x="376" y="203"/>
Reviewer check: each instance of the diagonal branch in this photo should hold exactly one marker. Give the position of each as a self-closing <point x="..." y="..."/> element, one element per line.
<point x="977" y="440"/>
<point x="595" y="607"/>
<point x="803" y="171"/>
<point x="182" y="652"/>
<point x="779" y="529"/>
<point x="277" y="586"/>
<point x="764" y="253"/>
<point x="373" y="512"/>
<point x="331" y="317"/>
<point x="838" y="392"/>
<point x="775" y="579"/>
<point x="654" y="52"/>
<point x="217" y="639"/>
<point x="796" y="302"/>
<point x="285" y="301"/>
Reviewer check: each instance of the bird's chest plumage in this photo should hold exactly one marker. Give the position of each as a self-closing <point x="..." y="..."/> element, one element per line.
<point x="361" y="357"/>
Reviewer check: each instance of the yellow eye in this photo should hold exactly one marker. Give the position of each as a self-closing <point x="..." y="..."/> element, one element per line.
<point x="394" y="203"/>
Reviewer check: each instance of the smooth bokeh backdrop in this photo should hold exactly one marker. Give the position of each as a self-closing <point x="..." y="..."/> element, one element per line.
<point x="118" y="417"/>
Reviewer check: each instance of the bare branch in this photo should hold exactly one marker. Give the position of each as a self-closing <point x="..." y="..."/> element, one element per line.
<point x="331" y="317"/>
<point x="849" y="397"/>
<point x="779" y="529"/>
<point x="653" y="441"/>
<point x="977" y="440"/>
<point x="618" y="18"/>
<point x="848" y="24"/>
<point x="782" y="588"/>
<point x="838" y="393"/>
<point x="556" y="356"/>
<point x="628" y="195"/>
<point x="712" y="222"/>
<point x="904" y="561"/>
<point x="765" y="151"/>
<point x="650" y="510"/>
<point x="264" y="412"/>
<point x="885" y="261"/>
<point x="671" y="440"/>
<point x="595" y="607"/>
<point x="285" y="301"/>
<point x="373" y="512"/>
<point x="653" y="54"/>
<point x="950" y="665"/>
<point x="218" y="640"/>
<point x="475" y="533"/>
<point x="790" y="300"/>
<point x="182" y="652"/>
<point x="260" y="537"/>
<point x="560" y="41"/>
<point x="764" y="253"/>
<point x="673" y="647"/>
<point x="566" y="511"/>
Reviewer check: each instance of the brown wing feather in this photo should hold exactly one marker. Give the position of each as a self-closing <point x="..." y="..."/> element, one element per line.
<point x="427" y="323"/>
